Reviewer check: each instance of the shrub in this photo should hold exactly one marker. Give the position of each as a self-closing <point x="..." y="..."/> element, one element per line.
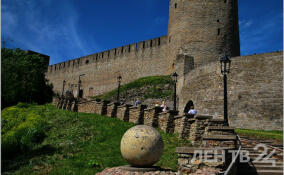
<point x="21" y="130"/>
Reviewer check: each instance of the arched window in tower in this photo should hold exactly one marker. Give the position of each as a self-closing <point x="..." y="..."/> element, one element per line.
<point x="176" y="5"/>
<point x="173" y="66"/>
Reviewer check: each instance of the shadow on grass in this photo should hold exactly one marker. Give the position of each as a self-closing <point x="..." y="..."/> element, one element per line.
<point x="15" y="162"/>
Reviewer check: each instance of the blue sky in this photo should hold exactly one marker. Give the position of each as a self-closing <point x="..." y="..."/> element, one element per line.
<point x="67" y="29"/>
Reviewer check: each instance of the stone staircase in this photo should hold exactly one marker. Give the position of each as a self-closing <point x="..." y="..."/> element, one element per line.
<point x="219" y="136"/>
<point x="260" y="167"/>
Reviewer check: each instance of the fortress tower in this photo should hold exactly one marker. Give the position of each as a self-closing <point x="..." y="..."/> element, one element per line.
<point x="204" y="29"/>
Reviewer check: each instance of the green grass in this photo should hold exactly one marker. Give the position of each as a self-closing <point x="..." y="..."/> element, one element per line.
<point x="80" y="144"/>
<point x="261" y="134"/>
<point x="154" y="81"/>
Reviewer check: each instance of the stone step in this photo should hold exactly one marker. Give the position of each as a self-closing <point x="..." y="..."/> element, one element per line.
<point x="260" y="172"/>
<point x="221" y="128"/>
<point x="262" y="167"/>
<point x="261" y="163"/>
<point x="277" y="145"/>
<point x="250" y="150"/>
<point x="220" y="137"/>
<point x="266" y="142"/>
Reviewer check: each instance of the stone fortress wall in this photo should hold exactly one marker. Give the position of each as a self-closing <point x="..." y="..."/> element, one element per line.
<point x="199" y="33"/>
<point x="255" y="91"/>
<point x="133" y="61"/>
<point x="206" y="29"/>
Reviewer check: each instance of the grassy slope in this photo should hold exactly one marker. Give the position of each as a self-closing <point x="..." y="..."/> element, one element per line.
<point x="81" y="144"/>
<point x="154" y="81"/>
<point x="261" y="134"/>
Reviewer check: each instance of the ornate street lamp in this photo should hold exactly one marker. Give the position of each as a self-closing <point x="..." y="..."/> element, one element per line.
<point x="79" y="84"/>
<point x="64" y="82"/>
<point x="225" y="69"/>
<point x="118" y="88"/>
<point x="175" y="75"/>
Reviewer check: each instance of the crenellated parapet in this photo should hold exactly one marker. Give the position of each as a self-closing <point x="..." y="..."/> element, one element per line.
<point x="137" y="49"/>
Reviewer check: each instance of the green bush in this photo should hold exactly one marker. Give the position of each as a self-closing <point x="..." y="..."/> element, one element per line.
<point x="21" y="130"/>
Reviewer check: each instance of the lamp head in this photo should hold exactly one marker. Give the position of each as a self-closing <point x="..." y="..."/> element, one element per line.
<point x="225" y="64"/>
<point x="175" y="75"/>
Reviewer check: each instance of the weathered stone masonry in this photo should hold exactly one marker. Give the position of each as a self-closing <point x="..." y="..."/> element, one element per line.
<point x="199" y="33"/>
<point x="187" y="127"/>
<point x="205" y="29"/>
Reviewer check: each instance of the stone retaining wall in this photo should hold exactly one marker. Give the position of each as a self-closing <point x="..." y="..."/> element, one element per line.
<point x="187" y="127"/>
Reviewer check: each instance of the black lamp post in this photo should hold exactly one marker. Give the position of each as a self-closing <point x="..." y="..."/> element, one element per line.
<point x="175" y="75"/>
<point x="118" y="88"/>
<point x="79" y="84"/>
<point x="64" y="82"/>
<point x="225" y="69"/>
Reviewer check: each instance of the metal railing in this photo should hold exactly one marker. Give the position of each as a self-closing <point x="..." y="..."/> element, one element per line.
<point x="233" y="165"/>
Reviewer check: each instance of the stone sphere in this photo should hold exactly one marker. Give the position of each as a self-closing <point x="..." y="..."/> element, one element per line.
<point x="141" y="146"/>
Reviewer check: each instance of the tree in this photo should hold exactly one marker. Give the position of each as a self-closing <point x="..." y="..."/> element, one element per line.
<point x="23" y="78"/>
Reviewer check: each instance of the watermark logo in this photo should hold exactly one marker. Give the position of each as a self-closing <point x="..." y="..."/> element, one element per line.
<point x="212" y="156"/>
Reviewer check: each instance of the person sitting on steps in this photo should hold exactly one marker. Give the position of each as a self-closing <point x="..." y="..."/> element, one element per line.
<point x="192" y="111"/>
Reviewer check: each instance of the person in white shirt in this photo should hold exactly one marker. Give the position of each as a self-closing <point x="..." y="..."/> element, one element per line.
<point x="192" y="111"/>
<point x="164" y="106"/>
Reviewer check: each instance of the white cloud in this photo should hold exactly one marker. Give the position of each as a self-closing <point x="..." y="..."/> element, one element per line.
<point x="29" y="26"/>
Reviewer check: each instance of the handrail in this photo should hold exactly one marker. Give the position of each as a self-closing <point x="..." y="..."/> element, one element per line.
<point x="230" y="168"/>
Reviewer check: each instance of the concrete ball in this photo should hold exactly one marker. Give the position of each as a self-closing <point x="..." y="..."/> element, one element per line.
<point x="141" y="146"/>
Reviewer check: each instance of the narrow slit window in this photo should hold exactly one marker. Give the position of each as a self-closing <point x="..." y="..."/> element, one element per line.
<point x="159" y="41"/>
<point x="129" y="48"/>
<point x="122" y="50"/>
<point x="96" y="56"/>
<point x="114" y="51"/>
<point x="136" y="47"/>
<point x="176" y="5"/>
<point x="151" y="43"/>
<point x="225" y="1"/>
<point x="169" y="39"/>
<point x="102" y="55"/>
<point x="219" y="31"/>
<point x="143" y="44"/>
<point x="108" y="53"/>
